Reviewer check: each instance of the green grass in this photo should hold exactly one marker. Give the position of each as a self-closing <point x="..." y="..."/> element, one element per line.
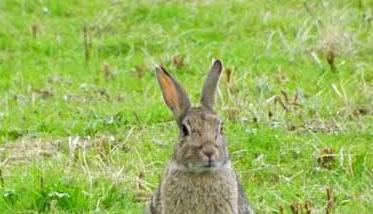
<point x="111" y="108"/>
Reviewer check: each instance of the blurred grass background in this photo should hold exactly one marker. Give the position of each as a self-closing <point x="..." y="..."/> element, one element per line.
<point x="83" y="127"/>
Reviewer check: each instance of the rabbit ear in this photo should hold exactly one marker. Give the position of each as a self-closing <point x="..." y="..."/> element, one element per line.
<point x="209" y="88"/>
<point x="174" y="95"/>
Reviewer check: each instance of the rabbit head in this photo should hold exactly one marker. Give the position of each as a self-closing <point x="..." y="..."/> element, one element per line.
<point x="201" y="146"/>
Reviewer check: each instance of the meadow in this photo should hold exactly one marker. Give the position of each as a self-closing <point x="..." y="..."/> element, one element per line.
<point x="83" y="126"/>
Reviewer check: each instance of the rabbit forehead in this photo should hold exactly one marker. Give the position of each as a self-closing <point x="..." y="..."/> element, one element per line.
<point x="202" y="119"/>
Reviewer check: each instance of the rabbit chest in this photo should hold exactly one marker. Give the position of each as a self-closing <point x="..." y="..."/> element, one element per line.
<point x="200" y="193"/>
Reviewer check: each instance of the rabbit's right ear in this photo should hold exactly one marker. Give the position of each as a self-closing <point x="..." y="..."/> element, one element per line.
<point x="173" y="94"/>
<point x="211" y="83"/>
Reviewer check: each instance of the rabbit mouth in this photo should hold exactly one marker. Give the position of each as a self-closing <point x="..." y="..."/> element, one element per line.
<point x="209" y="165"/>
<point x="203" y="167"/>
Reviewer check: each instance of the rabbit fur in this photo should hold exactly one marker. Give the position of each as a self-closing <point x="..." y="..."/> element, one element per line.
<point x="200" y="178"/>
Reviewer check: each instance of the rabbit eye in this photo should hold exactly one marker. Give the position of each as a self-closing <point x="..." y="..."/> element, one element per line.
<point x="184" y="130"/>
<point x="221" y="128"/>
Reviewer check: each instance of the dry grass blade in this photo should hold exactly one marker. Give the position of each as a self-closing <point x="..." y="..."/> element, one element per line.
<point x="330" y="201"/>
<point x="178" y="61"/>
<point x="2" y="181"/>
<point x="87" y="44"/>
<point x="280" y="209"/>
<point x="282" y="104"/>
<point x="330" y="58"/>
<point x="285" y="95"/>
<point x="35" y="30"/>
<point x="295" y="208"/>
<point x="228" y="75"/>
<point x="106" y="70"/>
<point x="308" y="207"/>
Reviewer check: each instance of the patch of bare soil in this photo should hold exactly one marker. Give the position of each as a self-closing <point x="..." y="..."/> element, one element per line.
<point x="26" y="150"/>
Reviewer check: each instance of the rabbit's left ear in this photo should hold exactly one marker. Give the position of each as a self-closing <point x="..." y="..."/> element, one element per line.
<point x="174" y="95"/>
<point x="211" y="82"/>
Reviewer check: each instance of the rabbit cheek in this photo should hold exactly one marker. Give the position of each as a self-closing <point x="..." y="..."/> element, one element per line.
<point x="189" y="155"/>
<point x="182" y="153"/>
<point x="216" y="156"/>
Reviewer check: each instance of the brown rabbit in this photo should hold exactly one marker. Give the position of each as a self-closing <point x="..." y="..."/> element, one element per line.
<point x="200" y="178"/>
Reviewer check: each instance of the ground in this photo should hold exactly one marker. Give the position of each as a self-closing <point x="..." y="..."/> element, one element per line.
<point x="83" y="127"/>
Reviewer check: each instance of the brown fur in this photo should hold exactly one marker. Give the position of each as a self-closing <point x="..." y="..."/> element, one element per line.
<point x="200" y="178"/>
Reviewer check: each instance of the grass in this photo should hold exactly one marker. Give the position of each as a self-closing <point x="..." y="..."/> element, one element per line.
<point x="92" y="134"/>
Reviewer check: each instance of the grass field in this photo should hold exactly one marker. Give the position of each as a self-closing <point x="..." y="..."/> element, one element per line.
<point x="83" y="127"/>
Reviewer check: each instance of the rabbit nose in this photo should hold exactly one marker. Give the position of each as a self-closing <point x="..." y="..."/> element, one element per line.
<point x="209" y="151"/>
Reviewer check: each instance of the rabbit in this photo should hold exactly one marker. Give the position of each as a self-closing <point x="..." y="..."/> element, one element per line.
<point x="200" y="178"/>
